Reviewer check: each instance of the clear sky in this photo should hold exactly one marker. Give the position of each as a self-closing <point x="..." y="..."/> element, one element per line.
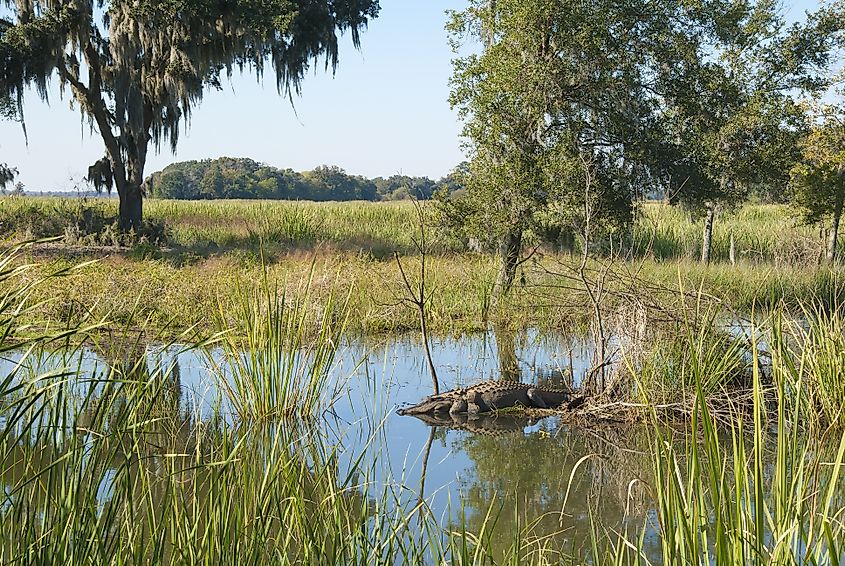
<point x="385" y="111"/>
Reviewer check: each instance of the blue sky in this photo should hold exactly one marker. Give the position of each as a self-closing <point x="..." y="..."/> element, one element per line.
<point x="385" y="111"/>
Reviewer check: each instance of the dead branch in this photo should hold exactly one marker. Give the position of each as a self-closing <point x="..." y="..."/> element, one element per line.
<point x="418" y="297"/>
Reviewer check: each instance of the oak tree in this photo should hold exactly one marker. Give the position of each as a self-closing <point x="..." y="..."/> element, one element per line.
<point x="562" y="92"/>
<point x="818" y="179"/>
<point x="136" y="68"/>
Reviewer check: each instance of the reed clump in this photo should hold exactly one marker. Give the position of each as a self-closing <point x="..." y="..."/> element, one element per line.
<point x="277" y="351"/>
<point x="760" y="488"/>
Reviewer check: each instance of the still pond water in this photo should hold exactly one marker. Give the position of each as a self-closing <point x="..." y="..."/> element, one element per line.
<point x="525" y="471"/>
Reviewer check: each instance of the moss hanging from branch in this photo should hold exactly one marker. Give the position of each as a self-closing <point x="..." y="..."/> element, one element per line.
<point x="139" y="71"/>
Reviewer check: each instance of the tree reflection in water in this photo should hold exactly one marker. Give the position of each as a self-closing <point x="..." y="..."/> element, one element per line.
<point x="557" y="483"/>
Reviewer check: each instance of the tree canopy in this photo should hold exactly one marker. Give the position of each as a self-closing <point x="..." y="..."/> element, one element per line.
<point x="563" y="92"/>
<point x="572" y="110"/>
<point x="137" y="68"/>
<point x="243" y="178"/>
<point x="7" y="173"/>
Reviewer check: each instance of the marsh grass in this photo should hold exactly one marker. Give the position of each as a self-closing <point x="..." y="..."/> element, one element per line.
<point x="730" y="501"/>
<point x="695" y="357"/>
<point x="810" y="355"/>
<point x="770" y="234"/>
<point x="757" y="481"/>
<point x="112" y="465"/>
<point x="279" y="350"/>
<point x="214" y="246"/>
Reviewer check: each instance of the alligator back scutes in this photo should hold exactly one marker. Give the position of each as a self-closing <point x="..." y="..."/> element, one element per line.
<point x="503" y="386"/>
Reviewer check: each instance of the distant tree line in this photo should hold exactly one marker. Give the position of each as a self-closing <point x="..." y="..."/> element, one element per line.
<point x="243" y="178"/>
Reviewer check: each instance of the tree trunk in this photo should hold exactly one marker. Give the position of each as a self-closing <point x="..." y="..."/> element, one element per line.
<point x="126" y="150"/>
<point x="834" y="232"/>
<point x="707" y="243"/>
<point x="511" y="248"/>
<point x="131" y="208"/>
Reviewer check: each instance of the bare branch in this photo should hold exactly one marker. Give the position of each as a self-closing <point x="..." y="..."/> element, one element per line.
<point x="419" y="298"/>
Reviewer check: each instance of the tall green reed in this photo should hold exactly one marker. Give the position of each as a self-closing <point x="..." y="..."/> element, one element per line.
<point x="277" y="359"/>
<point x="810" y="351"/>
<point x="762" y="486"/>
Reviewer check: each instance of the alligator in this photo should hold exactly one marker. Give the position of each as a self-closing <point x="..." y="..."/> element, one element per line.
<point x="489" y="396"/>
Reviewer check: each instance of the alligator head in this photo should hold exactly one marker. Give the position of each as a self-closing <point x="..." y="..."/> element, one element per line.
<point x="450" y="402"/>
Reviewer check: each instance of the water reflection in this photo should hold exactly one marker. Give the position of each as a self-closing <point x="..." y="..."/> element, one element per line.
<point x="543" y="478"/>
<point x="521" y="464"/>
<point x="568" y="481"/>
<point x="506" y="349"/>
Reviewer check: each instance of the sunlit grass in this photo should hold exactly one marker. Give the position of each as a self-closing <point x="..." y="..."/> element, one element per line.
<point x="113" y="465"/>
<point x="215" y="248"/>
<point x="769" y="234"/>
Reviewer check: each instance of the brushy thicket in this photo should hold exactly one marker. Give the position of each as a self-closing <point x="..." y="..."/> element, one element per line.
<point x="78" y="222"/>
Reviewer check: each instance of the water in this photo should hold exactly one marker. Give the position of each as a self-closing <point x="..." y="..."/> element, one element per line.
<point x="522" y="469"/>
<point x="564" y="479"/>
<point x="547" y="479"/>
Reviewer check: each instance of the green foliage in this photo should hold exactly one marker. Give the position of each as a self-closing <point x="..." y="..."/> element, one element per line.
<point x="560" y="113"/>
<point x="7" y="175"/>
<point x="401" y="187"/>
<point x="8" y="111"/>
<point x="818" y="180"/>
<point x="730" y="115"/>
<point x="242" y="178"/>
<point x="332" y="183"/>
<point x="695" y="101"/>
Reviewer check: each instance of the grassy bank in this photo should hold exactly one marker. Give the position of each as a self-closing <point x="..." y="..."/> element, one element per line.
<point x="111" y="465"/>
<point x="761" y="233"/>
<point x="199" y="253"/>
<point x="156" y="293"/>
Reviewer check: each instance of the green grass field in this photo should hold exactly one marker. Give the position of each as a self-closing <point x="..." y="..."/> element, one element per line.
<point x="767" y="233"/>
<point x="200" y="253"/>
